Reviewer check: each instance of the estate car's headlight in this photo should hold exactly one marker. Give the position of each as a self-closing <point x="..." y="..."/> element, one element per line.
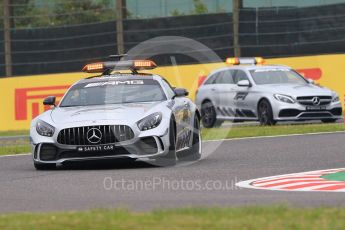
<point x="284" y="98"/>
<point x="335" y="99"/>
<point x="44" y="129"/>
<point x="150" y="122"/>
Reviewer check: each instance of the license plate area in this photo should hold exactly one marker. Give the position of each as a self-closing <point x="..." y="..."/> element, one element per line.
<point x="316" y="108"/>
<point x="96" y="148"/>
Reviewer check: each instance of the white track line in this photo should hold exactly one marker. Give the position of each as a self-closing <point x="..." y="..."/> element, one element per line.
<point x="16" y="155"/>
<point x="276" y="136"/>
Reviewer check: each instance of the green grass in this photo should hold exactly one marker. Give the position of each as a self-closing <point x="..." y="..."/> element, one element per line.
<point x="225" y="132"/>
<point x="338" y="176"/>
<point x="14" y="149"/>
<point x="193" y="218"/>
<point x="14" y="133"/>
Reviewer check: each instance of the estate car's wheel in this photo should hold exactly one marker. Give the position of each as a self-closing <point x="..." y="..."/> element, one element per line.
<point x="329" y="120"/>
<point x="194" y="152"/>
<point x="44" y="166"/>
<point x="209" y="116"/>
<point x="265" y="113"/>
<point x="218" y="123"/>
<point x="170" y="158"/>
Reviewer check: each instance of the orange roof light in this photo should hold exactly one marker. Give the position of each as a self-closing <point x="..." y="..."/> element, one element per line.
<point x="94" y="67"/>
<point x="107" y="67"/>
<point x="245" y="61"/>
<point x="259" y="60"/>
<point x="144" y="64"/>
<point x="232" y="61"/>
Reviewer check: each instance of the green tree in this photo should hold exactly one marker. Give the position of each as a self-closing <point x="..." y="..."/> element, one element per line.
<point x="69" y="12"/>
<point x="199" y="7"/>
<point x="25" y="14"/>
<point x="176" y="12"/>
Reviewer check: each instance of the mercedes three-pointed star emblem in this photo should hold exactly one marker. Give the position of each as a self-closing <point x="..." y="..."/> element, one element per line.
<point x="94" y="135"/>
<point x="316" y="100"/>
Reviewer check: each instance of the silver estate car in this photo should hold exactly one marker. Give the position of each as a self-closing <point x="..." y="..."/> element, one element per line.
<point x="117" y="115"/>
<point x="268" y="93"/>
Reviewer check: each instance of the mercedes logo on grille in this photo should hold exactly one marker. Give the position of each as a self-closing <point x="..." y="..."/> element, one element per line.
<point x="316" y="100"/>
<point x="94" y="135"/>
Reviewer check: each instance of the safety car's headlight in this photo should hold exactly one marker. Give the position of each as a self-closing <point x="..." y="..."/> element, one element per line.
<point x="44" y="129"/>
<point x="284" y="98"/>
<point x="335" y="98"/>
<point x="150" y="122"/>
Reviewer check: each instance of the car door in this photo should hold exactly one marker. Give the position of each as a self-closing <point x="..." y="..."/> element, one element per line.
<point x="242" y="96"/>
<point x="181" y="108"/>
<point x="209" y="90"/>
<point x="226" y="93"/>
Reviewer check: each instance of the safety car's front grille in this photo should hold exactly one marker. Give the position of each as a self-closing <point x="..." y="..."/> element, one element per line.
<point x="309" y="100"/>
<point x="95" y="135"/>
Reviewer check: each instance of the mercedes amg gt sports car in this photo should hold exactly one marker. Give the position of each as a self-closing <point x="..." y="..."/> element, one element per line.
<point x="268" y="93"/>
<point x="117" y="115"/>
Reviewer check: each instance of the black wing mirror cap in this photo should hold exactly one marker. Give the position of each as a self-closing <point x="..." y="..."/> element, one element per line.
<point x="49" y="100"/>
<point x="181" y="92"/>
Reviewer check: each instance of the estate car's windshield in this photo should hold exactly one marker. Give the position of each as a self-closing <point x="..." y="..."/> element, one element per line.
<point x="113" y="92"/>
<point x="277" y="76"/>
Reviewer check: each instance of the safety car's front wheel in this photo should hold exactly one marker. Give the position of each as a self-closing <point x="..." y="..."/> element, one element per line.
<point x="170" y="158"/>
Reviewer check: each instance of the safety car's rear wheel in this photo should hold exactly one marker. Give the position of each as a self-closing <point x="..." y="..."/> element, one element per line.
<point x="194" y="152"/>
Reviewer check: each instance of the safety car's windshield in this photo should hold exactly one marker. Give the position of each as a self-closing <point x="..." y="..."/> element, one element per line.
<point x="113" y="92"/>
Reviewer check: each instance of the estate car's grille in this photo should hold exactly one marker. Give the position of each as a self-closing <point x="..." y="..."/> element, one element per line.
<point x="95" y="135"/>
<point x="309" y="100"/>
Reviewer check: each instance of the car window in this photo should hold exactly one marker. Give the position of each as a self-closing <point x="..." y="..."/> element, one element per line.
<point x="218" y="78"/>
<point x="113" y="92"/>
<point x="210" y="80"/>
<point x="168" y="88"/>
<point x="225" y="77"/>
<point x="239" y="75"/>
<point x="277" y="76"/>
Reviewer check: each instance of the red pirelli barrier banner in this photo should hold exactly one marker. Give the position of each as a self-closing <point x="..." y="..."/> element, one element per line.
<point x="21" y="97"/>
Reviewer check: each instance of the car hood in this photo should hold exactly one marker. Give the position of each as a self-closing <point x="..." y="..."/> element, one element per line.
<point x="129" y="112"/>
<point x="297" y="90"/>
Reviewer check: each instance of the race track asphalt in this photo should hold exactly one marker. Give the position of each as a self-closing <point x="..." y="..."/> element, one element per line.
<point x="209" y="182"/>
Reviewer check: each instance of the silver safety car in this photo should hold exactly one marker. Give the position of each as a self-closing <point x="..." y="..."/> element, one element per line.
<point x="117" y="115"/>
<point x="268" y="93"/>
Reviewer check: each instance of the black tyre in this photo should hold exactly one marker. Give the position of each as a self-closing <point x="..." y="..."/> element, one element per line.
<point x="194" y="152"/>
<point x="265" y="113"/>
<point x="209" y="115"/>
<point x="170" y="158"/>
<point x="329" y="120"/>
<point x="44" y="166"/>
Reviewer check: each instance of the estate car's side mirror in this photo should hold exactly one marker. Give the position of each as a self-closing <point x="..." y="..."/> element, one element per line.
<point x="49" y="100"/>
<point x="181" y="92"/>
<point x="244" y="83"/>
